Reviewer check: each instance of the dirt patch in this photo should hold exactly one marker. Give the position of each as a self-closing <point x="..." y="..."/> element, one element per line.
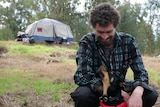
<point x="29" y="99"/>
<point x="50" y="66"/>
<point x="152" y="63"/>
<point x="3" y="49"/>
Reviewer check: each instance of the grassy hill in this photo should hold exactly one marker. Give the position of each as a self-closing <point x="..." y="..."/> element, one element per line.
<point x="41" y="75"/>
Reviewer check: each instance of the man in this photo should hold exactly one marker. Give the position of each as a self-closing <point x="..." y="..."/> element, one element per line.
<point x="116" y="52"/>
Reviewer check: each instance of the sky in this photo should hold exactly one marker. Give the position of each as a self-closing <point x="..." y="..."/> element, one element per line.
<point x="132" y="1"/>
<point x="4" y="4"/>
<point x="82" y="3"/>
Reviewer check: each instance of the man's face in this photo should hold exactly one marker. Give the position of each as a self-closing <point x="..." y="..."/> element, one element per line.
<point x="105" y="34"/>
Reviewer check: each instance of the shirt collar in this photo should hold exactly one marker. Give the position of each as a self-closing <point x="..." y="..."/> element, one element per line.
<point x="117" y="38"/>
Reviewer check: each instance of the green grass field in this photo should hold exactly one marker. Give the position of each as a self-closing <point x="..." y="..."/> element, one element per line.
<point x="16" y="79"/>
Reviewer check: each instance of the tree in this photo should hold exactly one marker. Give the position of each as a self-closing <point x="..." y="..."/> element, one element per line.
<point x="157" y="52"/>
<point x="132" y="22"/>
<point x="21" y="13"/>
<point x="153" y="7"/>
<point x="15" y="17"/>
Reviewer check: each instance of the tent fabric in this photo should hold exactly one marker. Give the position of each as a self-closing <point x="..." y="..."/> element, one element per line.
<point x="49" y="30"/>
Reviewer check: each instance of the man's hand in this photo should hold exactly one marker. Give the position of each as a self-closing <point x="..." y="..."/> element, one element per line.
<point x="125" y="95"/>
<point x="135" y="100"/>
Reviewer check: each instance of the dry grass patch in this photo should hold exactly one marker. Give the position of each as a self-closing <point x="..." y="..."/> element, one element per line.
<point x="151" y="63"/>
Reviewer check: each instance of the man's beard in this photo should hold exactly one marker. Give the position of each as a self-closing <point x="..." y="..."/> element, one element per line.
<point x="106" y="43"/>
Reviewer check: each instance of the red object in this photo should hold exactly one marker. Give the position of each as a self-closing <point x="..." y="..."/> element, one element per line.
<point x="39" y="29"/>
<point x="123" y="104"/>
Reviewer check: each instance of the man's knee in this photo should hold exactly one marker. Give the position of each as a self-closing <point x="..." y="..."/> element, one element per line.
<point x="149" y="98"/>
<point x="82" y="93"/>
<point x="85" y="97"/>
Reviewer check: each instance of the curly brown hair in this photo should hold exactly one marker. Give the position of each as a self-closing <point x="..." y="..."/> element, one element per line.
<point x="104" y="14"/>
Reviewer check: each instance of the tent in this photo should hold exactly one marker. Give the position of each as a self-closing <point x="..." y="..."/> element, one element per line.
<point x="49" y="30"/>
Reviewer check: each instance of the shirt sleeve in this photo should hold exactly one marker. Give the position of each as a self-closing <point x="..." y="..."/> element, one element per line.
<point x="85" y="75"/>
<point x="137" y="66"/>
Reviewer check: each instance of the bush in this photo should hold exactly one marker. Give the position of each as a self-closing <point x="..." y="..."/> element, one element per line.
<point x="6" y="34"/>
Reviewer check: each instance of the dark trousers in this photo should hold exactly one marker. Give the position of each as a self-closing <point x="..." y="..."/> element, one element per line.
<point x="84" y="97"/>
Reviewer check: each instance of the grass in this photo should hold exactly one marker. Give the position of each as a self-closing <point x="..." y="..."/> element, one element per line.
<point x="153" y="76"/>
<point x="20" y="48"/>
<point x="71" y="61"/>
<point x="56" y="97"/>
<point x="12" y="80"/>
<point x="16" y="79"/>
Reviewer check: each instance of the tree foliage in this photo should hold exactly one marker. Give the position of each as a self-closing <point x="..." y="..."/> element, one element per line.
<point x="132" y="22"/>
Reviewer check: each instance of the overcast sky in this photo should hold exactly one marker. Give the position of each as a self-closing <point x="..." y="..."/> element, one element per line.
<point x="132" y="1"/>
<point x="80" y="8"/>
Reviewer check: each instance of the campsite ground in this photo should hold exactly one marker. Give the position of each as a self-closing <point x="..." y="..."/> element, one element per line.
<point x="44" y="69"/>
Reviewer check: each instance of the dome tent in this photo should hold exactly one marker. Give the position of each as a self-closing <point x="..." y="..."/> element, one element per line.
<point x="49" y="30"/>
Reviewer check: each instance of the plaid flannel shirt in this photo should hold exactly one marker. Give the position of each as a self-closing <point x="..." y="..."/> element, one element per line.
<point x="90" y="56"/>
